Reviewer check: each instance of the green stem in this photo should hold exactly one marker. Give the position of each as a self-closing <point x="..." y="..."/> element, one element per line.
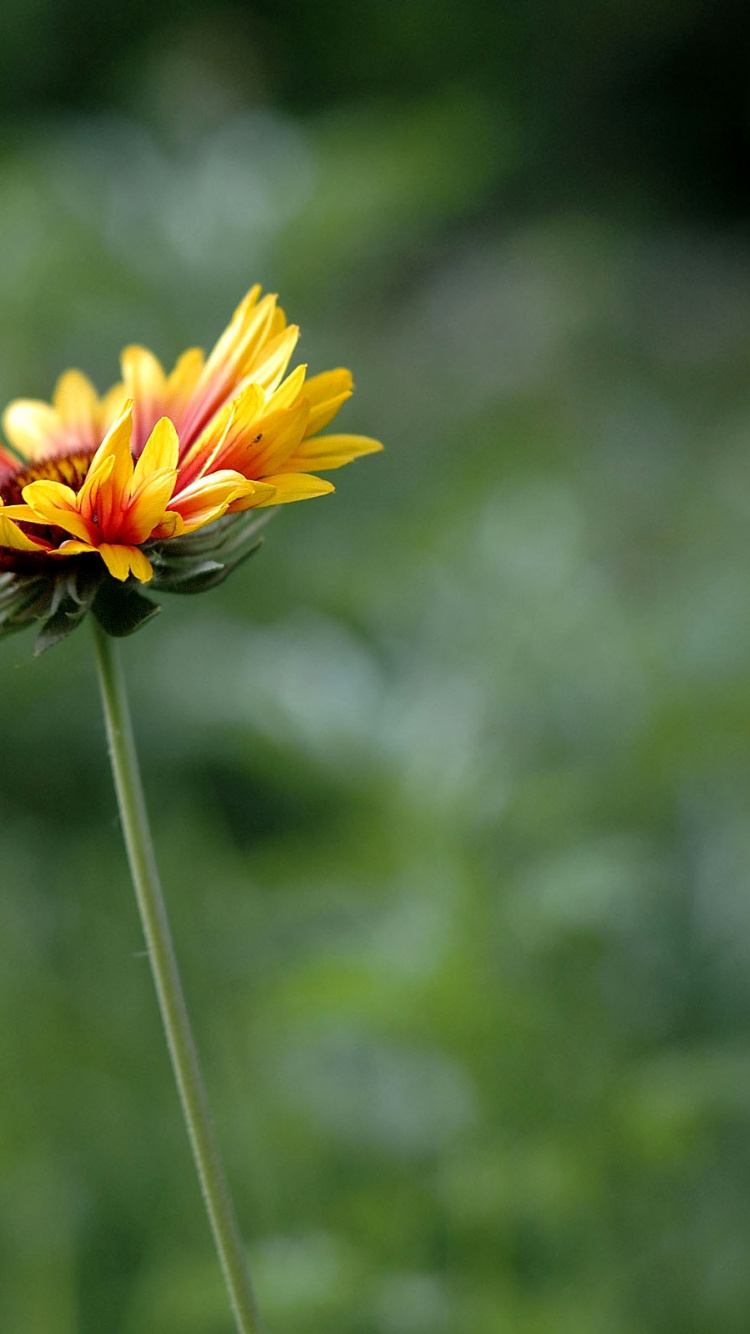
<point x="174" y="1014"/>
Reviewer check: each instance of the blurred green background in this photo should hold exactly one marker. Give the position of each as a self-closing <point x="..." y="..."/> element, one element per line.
<point x="451" y="783"/>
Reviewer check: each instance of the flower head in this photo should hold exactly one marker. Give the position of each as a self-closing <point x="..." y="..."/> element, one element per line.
<point x="102" y="494"/>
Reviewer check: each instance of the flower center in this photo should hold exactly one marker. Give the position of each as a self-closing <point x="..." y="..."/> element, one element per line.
<point x="70" y="469"/>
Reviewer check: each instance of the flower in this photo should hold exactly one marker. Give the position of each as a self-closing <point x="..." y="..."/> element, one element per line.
<point x="106" y="493"/>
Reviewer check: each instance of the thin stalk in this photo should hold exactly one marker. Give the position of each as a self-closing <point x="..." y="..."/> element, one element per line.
<point x="174" y="1014"/>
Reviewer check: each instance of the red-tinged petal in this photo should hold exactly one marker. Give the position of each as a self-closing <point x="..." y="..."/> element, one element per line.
<point x="244" y="319"/>
<point x="240" y="342"/>
<point x="8" y="462"/>
<point x="95" y="502"/>
<point x="182" y="382"/>
<point x="102" y="497"/>
<point x="216" y="445"/>
<point x="148" y="506"/>
<point x="171" y="526"/>
<point x="228" y="365"/>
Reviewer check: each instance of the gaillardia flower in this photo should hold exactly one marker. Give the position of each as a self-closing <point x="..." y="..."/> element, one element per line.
<point x="154" y="481"/>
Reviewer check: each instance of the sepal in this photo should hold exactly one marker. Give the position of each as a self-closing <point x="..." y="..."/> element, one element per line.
<point x="60" y="603"/>
<point x="121" y="610"/>
<point x="206" y="557"/>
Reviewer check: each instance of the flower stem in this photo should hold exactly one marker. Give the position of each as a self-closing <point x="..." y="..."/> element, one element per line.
<point x="174" y="1014"/>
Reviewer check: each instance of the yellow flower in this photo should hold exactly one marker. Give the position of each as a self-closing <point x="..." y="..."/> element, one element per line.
<point x="120" y="478"/>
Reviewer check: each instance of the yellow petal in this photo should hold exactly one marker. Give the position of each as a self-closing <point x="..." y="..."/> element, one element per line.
<point x="272" y="440"/>
<point x="72" y="547"/>
<point x="120" y="560"/>
<point x="11" y="536"/>
<point x="54" y="503"/>
<point x="261" y="494"/>
<point x="246" y="331"/>
<point x="296" y="486"/>
<point x="160" y="451"/>
<point x="200" y="517"/>
<point x="31" y="427"/>
<point x="254" y="443"/>
<point x="76" y="400"/>
<point x="20" y="512"/>
<point x="171" y="525"/>
<point x="117" y="435"/>
<point x="112" y="405"/>
<point x="325" y="393"/>
<point x="209" y="497"/>
<point x="51" y="493"/>
<point x="214" y="488"/>
<point x="140" y="565"/>
<point x="330" y="451"/>
<point x="267" y="370"/>
<point x="143" y="375"/>
<point x="288" y="391"/>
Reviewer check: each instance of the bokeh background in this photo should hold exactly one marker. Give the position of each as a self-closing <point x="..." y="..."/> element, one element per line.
<point x="451" y="783"/>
